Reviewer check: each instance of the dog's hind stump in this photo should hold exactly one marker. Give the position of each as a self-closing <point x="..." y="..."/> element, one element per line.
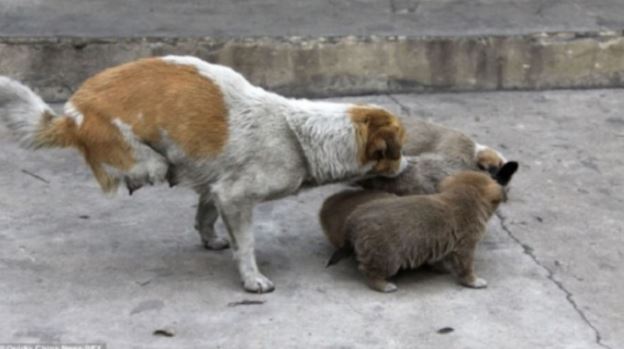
<point x="205" y="219"/>
<point x="171" y="176"/>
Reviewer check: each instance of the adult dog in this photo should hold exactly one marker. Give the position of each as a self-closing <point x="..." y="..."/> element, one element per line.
<point x="183" y="120"/>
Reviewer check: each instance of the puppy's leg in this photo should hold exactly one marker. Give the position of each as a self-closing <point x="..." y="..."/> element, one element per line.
<point x="237" y="216"/>
<point x="204" y="223"/>
<point x="462" y="264"/>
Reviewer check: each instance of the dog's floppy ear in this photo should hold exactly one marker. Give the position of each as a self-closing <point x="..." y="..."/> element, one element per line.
<point x="503" y="176"/>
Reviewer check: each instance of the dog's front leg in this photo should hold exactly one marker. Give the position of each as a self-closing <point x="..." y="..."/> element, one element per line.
<point x="237" y="217"/>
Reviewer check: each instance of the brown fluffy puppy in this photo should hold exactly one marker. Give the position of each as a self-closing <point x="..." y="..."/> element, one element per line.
<point x="335" y="211"/>
<point x="390" y="233"/>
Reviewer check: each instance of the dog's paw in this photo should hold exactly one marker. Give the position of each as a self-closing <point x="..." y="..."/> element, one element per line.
<point x="389" y="287"/>
<point x="217" y="243"/>
<point x="258" y="284"/>
<point x="382" y="285"/>
<point x="476" y="283"/>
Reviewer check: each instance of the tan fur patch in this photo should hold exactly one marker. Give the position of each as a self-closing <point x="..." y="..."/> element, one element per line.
<point x="151" y="96"/>
<point x="488" y="158"/>
<point x="380" y="136"/>
<point x="56" y="132"/>
<point x="487" y="187"/>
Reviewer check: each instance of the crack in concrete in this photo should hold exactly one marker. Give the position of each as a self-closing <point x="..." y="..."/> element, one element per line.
<point x="404" y="109"/>
<point x="551" y="276"/>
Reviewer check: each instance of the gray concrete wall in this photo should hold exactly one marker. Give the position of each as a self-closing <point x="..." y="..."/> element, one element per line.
<point x="324" y="47"/>
<point x="331" y="66"/>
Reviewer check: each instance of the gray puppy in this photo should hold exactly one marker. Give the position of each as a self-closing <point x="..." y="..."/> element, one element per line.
<point x="388" y="233"/>
<point x="426" y="137"/>
<point x="434" y="152"/>
<point x="422" y="175"/>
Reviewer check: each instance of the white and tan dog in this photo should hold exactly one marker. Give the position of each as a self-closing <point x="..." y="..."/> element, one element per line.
<point x="181" y="119"/>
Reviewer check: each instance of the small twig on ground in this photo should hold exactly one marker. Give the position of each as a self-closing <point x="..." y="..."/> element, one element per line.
<point x="445" y="330"/>
<point x="245" y="302"/>
<point x="164" y="332"/>
<point x="143" y="283"/>
<point x="36" y="176"/>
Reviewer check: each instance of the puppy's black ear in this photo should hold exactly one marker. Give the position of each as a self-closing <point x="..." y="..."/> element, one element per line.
<point x="503" y="176"/>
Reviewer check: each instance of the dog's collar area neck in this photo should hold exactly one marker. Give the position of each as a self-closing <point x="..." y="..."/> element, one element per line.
<point x="326" y="137"/>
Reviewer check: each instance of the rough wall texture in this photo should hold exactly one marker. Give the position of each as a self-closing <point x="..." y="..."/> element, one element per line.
<point x="330" y="66"/>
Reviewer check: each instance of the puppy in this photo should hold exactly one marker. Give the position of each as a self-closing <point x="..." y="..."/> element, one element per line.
<point x="335" y="211"/>
<point x="389" y="233"/>
<point x="422" y="175"/>
<point x="425" y="137"/>
<point x="179" y="119"/>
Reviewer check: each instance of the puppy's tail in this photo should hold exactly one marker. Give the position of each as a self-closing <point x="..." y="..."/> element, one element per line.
<point x="339" y="254"/>
<point x="31" y="119"/>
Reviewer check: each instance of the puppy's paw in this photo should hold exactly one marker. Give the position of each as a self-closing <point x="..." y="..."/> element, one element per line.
<point x="389" y="287"/>
<point x="258" y="284"/>
<point x="476" y="283"/>
<point x="382" y="285"/>
<point x="217" y="243"/>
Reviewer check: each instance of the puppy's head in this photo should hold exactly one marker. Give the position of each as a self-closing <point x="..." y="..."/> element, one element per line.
<point x="380" y="137"/>
<point x="489" y="189"/>
<point x="489" y="159"/>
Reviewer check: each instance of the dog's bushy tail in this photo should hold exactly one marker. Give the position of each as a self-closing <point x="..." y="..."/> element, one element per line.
<point x="32" y="121"/>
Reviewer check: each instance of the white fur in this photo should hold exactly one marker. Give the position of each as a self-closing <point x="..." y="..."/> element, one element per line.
<point x="402" y="166"/>
<point x="323" y="130"/>
<point x="479" y="148"/>
<point x="21" y="110"/>
<point x="70" y="111"/>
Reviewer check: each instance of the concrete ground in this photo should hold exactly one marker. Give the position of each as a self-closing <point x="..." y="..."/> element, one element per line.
<point x="76" y="266"/>
<point x="249" y="18"/>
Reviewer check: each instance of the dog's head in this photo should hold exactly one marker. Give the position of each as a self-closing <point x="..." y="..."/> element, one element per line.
<point x="380" y="137"/>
